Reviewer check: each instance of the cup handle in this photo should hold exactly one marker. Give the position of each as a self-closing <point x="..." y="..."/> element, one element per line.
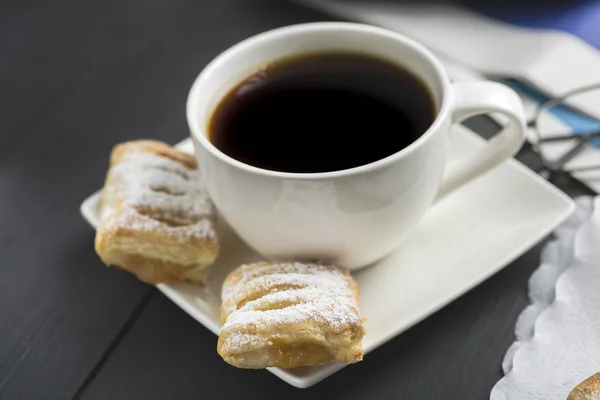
<point x="473" y="98"/>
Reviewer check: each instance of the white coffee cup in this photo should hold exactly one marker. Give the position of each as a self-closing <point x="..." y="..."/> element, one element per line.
<point x="356" y="216"/>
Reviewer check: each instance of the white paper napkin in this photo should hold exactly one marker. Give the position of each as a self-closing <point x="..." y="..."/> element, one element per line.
<point x="558" y="335"/>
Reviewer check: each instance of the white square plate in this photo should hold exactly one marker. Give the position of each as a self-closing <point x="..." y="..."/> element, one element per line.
<point x="463" y="239"/>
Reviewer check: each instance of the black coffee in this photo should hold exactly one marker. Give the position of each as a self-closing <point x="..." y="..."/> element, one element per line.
<point x="322" y="112"/>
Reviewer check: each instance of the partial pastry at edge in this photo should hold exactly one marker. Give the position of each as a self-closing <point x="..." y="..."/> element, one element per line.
<point x="155" y="219"/>
<point x="289" y="315"/>
<point x="587" y="390"/>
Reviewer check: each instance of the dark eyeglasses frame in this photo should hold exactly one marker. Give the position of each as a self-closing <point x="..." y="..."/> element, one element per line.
<point x="558" y="166"/>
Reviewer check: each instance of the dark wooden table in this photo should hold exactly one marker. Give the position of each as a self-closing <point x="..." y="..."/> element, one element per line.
<point x="76" y="77"/>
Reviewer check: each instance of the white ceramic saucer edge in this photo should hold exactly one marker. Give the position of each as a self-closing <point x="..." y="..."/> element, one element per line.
<point x="562" y="208"/>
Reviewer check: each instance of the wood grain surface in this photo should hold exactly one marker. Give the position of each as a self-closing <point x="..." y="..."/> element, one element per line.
<point x="76" y="77"/>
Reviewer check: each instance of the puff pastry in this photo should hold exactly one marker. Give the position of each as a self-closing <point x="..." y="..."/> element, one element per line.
<point x="155" y="220"/>
<point x="290" y="315"/>
<point x="587" y="390"/>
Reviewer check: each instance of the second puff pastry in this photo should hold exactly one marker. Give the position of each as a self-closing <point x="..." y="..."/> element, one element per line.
<point x="290" y="315"/>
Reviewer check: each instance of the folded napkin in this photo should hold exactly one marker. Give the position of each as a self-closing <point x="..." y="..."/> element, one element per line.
<point x="558" y="335"/>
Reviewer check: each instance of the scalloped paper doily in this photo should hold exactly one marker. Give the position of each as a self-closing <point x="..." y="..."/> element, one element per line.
<point x="558" y="335"/>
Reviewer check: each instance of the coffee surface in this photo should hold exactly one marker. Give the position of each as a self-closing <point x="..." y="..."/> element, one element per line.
<point x="320" y="113"/>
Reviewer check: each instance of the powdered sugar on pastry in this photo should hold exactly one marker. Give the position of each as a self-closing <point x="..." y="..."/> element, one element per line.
<point x="165" y="194"/>
<point x="202" y="229"/>
<point x="280" y="282"/>
<point x="328" y="303"/>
